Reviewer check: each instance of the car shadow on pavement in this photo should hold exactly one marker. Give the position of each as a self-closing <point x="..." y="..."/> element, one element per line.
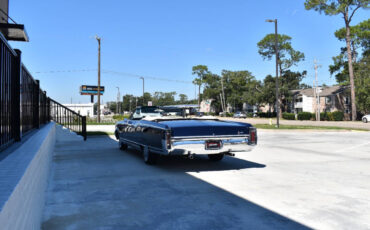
<point x="198" y="164"/>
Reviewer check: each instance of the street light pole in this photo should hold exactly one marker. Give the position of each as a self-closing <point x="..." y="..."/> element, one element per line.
<point x="142" y="78"/>
<point x="98" y="39"/>
<point x="118" y="98"/>
<point x="277" y="73"/>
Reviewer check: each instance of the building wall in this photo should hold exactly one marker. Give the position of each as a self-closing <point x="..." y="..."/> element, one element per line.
<point x="307" y="104"/>
<point x="82" y="109"/>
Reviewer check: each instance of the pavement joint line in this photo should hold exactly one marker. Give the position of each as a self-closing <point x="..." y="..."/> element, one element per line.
<point x="352" y="147"/>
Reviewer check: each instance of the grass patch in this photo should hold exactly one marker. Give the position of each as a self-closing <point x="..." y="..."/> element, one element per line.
<point x="98" y="133"/>
<point x="267" y="126"/>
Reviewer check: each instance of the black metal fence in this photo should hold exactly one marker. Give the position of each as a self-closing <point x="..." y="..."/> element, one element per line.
<point x="68" y="118"/>
<point x="7" y="63"/>
<point x="23" y="105"/>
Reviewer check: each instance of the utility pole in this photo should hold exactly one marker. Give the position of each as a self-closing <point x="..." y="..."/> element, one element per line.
<point x="98" y="39"/>
<point x="277" y="73"/>
<point x="118" y="98"/>
<point x="142" y="78"/>
<point x="316" y="66"/>
<point x="222" y="103"/>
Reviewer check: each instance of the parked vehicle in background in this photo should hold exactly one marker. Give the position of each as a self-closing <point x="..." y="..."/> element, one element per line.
<point x="240" y="115"/>
<point x="146" y="111"/>
<point x="199" y="114"/>
<point x="366" y="118"/>
<point x="172" y="111"/>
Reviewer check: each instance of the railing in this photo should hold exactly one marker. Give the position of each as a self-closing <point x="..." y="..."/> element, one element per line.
<point x="68" y="118"/>
<point x="23" y="105"/>
<point x="8" y="63"/>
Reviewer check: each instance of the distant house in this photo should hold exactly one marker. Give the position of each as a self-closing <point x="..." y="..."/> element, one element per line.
<point x="334" y="98"/>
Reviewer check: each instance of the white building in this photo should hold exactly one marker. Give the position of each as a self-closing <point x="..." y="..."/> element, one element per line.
<point x="82" y="109"/>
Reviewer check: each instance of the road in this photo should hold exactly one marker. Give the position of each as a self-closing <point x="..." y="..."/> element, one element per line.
<point x="292" y="180"/>
<point x="343" y="124"/>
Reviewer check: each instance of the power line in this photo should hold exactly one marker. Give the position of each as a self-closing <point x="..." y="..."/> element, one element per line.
<point x="146" y="77"/>
<point x="114" y="73"/>
<point x="64" y="71"/>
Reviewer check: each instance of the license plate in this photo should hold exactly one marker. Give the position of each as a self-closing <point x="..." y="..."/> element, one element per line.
<point x="212" y="145"/>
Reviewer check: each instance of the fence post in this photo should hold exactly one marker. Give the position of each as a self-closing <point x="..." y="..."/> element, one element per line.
<point x="84" y="127"/>
<point x="16" y="96"/>
<point x="48" y="109"/>
<point x="36" y="105"/>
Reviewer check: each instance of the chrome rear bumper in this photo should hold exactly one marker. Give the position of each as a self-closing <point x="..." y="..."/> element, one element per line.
<point x="197" y="145"/>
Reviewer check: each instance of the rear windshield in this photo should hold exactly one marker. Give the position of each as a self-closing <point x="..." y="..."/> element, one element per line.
<point x="149" y="110"/>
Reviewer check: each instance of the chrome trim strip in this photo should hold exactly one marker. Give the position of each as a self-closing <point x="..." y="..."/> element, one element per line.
<point x="209" y="137"/>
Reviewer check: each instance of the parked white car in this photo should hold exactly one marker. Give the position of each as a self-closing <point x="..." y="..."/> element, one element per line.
<point x="240" y="115"/>
<point x="146" y="111"/>
<point x="366" y="118"/>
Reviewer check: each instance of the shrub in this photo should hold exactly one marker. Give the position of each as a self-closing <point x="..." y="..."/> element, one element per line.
<point x="249" y="114"/>
<point x="289" y="116"/>
<point x="330" y="116"/>
<point x="323" y="116"/>
<point x="313" y="116"/>
<point x="338" y="116"/>
<point x="304" y="116"/>
<point x="229" y="114"/>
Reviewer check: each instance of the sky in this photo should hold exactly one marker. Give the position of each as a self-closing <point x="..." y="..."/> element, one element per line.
<point x="164" y="39"/>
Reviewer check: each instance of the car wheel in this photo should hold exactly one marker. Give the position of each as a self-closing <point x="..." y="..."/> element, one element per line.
<point x="216" y="157"/>
<point x="122" y="146"/>
<point x="149" y="158"/>
<point x="364" y="120"/>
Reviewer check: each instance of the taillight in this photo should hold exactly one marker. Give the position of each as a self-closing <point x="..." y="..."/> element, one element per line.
<point x="252" y="135"/>
<point x="168" y="139"/>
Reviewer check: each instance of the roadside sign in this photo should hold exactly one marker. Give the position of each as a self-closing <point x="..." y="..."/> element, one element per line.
<point x="91" y="90"/>
<point x="150" y="103"/>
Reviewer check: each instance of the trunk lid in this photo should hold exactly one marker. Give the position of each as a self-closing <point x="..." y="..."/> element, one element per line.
<point x="199" y="127"/>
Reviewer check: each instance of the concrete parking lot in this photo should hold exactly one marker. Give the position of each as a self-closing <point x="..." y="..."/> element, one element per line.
<point x="292" y="180"/>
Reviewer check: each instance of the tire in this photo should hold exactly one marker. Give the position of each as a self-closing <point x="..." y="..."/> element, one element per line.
<point x="122" y="146"/>
<point x="364" y="120"/>
<point x="216" y="157"/>
<point x="149" y="158"/>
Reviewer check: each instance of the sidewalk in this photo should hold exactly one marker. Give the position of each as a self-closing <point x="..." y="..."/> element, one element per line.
<point x="344" y="124"/>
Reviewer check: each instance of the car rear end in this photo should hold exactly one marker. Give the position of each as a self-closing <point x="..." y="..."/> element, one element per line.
<point x="209" y="137"/>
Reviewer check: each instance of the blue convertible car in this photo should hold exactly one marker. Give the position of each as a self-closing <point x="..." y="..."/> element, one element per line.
<point x="185" y="136"/>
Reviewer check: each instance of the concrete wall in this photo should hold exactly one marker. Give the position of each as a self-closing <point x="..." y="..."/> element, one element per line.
<point x="23" y="181"/>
